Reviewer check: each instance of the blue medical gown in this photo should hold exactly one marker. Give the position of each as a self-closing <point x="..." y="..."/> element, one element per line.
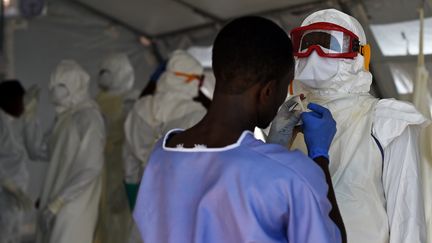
<point x="246" y="192"/>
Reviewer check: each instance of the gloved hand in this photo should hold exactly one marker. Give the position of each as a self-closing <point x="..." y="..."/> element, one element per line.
<point x="281" y="130"/>
<point x="319" y="129"/>
<point x="46" y="220"/>
<point x="49" y="213"/>
<point x="23" y="201"/>
<point x="31" y="100"/>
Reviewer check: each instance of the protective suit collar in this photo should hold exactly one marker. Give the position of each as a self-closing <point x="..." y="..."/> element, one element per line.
<point x="116" y="74"/>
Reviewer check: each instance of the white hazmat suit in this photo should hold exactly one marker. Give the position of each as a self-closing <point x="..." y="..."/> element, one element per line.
<point x="116" y="79"/>
<point x="171" y="107"/>
<point x="374" y="157"/>
<point x="21" y="142"/>
<point x="71" y="193"/>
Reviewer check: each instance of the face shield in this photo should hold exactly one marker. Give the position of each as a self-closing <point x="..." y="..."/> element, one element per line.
<point x="327" y="39"/>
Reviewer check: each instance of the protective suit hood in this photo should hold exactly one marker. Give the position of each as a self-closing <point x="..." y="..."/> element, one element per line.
<point x="116" y="73"/>
<point x="180" y="62"/>
<point x="332" y="76"/>
<point x="69" y="85"/>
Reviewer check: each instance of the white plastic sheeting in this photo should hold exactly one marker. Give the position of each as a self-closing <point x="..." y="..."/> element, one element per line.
<point x="203" y="54"/>
<point x="404" y="74"/>
<point x="401" y="39"/>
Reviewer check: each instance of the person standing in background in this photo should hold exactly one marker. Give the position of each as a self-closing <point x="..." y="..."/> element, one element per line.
<point x="71" y="192"/>
<point x="172" y="106"/>
<point x="116" y="80"/>
<point x="21" y="142"/>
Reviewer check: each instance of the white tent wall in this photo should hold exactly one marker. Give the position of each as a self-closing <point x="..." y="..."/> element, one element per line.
<point x="69" y="32"/>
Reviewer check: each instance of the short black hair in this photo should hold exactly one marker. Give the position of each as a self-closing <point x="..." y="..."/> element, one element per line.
<point x="249" y="50"/>
<point x="11" y="97"/>
<point x="10" y="90"/>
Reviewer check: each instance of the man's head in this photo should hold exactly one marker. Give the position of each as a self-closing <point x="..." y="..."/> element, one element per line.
<point x="12" y="97"/>
<point x="254" y="53"/>
<point x="182" y="77"/>
<point x="68" y="85"/>
<point x="116" y="73"/>
<point x="332" y="53"/>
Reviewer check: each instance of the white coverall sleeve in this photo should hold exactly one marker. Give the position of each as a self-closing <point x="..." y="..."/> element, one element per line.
<point x="403" y="189"/>
<point x="35" y="141"/>
<point x="89" y="157"/>
<point x="140" y="138"/>
<point x="7" y="158"/>
<point x="12" y="172"/>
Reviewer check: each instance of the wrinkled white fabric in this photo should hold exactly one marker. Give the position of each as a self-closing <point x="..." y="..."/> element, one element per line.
<point x="380" y="201"/>
<point x="422" y="100"/>
<point x="116" y="73"/>
<point x="13" y="155"/>
<point x="76" y="160"/>
<point x="10" y="218"/>
<point x="380" y="198"/>
<point x="171" y="107"/>
<point x="21" y="142"/>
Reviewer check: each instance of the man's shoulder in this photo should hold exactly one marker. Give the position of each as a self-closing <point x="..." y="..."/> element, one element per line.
<point x="294" y="161"/>
<point x="142" y="105"/>
<point x="392" y="117"/>
<point x="274" y="165"/>
<point x="87" y="115"/>
<point x="265" y="164"/>
<point x="88" y="118"/>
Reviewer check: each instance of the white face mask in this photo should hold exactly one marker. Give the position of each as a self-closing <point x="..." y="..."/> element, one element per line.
<point x="59" y="95"/>
<point x="315" y="71"/>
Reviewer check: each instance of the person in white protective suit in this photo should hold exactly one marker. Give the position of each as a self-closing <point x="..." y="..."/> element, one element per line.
<point x="172" y="106"/>
<point x="21" y="142"/>
<point x="375" y="154"/>
<point x="116" y="80"/>
<point x="70" y="196"/>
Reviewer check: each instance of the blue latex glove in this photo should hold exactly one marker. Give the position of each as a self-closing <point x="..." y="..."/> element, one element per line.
<point x="319" y="129"/>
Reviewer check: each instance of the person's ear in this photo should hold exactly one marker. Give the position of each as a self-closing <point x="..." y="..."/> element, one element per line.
<point x="267" y="91"/>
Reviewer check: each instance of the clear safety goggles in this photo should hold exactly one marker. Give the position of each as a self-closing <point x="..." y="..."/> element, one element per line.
<point x="327" y="39"/>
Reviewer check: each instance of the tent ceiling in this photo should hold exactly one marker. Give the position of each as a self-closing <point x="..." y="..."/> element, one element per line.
<point x="389" y="11"/>
<point x="152" y="17"/>
<point x="158" y="17"/>
<point x="226" y="9"/>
